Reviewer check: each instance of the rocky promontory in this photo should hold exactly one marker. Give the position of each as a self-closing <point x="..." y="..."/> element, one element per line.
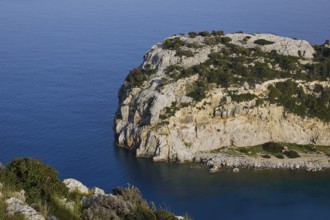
<point x="196" y="96"/>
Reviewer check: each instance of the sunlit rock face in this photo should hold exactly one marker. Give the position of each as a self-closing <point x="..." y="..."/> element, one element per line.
<point x="193" y="94"/>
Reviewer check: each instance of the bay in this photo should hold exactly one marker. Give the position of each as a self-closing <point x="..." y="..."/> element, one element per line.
<point x="62" y="63"/>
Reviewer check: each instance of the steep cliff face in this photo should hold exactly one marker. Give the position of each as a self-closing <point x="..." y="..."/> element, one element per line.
<point x="193" y="94"/>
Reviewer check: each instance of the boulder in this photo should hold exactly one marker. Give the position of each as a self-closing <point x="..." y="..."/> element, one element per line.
<point x="75" y="185"/>
<point x="98" y="191"/>
<point x="236" y="170"/>
<point x="16" y="206"/>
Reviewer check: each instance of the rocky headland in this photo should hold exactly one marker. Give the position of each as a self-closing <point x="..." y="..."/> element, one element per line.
<point x="221" y="99"/>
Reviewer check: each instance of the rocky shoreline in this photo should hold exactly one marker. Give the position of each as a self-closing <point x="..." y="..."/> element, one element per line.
<point x="309" y="163"/>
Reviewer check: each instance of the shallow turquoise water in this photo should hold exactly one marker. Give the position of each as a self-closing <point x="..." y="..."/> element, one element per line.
<point x="62" y="63"/>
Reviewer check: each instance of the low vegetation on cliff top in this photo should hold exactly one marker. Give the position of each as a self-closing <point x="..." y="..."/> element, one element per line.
<point x="45" y="192"/>
<point x="235" y="65"/>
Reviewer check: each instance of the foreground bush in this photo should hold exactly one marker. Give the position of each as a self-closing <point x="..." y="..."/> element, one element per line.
<point x="39" y="180"/>
<point x="50" y="197"/>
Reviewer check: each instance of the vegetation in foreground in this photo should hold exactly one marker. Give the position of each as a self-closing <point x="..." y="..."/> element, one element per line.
<point x="45" y="192"/>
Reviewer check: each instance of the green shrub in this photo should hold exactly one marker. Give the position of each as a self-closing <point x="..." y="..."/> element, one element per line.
<point x="194" y="45"/>
<point x="279" y="156"/>
<point x="198" y="91"/>
<point x="192" y="34"/>
<point x="204" y="33"/>
<point x="292" y="154"/>
<point x="245" y="39"/>
<point x="211" y="41"/>
<point x="218" y="33"/>
<point x="39" y="180"/>
<point x="263" y="42"/>
<point x="165" y="215"/>
<point x="243" y="150"/>
<point x="186" y="53"/>
<point x="173" y="43"/>
<point x="136" y="77"/>
<point x="243" y="97"/>
<point x="225" y="40"/>
<point x="272" y="147"/>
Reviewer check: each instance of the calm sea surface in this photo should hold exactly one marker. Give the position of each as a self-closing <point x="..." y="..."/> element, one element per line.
<point x="62" y="63"/>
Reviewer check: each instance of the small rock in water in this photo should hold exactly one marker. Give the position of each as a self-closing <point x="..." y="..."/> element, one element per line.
<point x="214" y="169"/>
<point x="236" y="170"/>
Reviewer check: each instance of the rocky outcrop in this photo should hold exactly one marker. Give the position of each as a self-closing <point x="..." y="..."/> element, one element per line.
<point x="17" y="206"/>
<point x="282" y="45"/>
<point x="74" y="185"/>
<point x="160" y="120"/>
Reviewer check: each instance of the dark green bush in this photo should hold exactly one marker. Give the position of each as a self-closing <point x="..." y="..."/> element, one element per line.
<point x="225" y="40"/>
<point x="204" y="33"/>
<point x="173" y="43"/>
<point x="39" y="180"/>
<point x="245" y="39"/>
<point x="243" y="97"/>
<point x="198" y="91"/>
<point x="272" y="147"/>
<point x="263" y="42"/>
<point x="186" y="53"/>
<point x="243" y="150"/>
<point x="218" y="33"/>
<point x="211" y="41"/>
<point x="292" y="154"/>
<point x="279" y="156"/>
<point x="192" y="34"/>
<point x="136" y="77"/>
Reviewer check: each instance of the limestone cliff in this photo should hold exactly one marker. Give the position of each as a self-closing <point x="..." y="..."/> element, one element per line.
<point x="197" y="93"/>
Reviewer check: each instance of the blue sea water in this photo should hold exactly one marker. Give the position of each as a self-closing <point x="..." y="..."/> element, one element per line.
<point x="62" y="63"/>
